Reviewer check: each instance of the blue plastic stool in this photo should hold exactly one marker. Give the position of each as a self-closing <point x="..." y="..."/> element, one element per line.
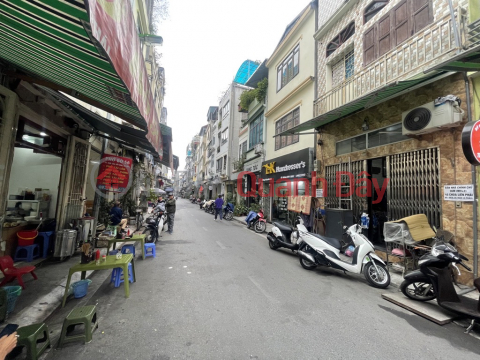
<point x="151" y="247"/>
<point x="30" y="252"/>
<point x="128" y="249"/>
<point x="113" y="252"/>
<point x="46" y="241"/>
<point x="117" y="275"/>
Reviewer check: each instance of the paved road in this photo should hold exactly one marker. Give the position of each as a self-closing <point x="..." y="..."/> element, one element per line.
<point x="216" y="291"/>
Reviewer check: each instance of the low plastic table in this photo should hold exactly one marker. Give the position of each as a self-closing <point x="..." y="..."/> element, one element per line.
<point x="134" y="238"/>
<point x="110" y="263"/>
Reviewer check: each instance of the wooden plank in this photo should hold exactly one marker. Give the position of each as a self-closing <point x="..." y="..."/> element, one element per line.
<point x="429" y="310"/>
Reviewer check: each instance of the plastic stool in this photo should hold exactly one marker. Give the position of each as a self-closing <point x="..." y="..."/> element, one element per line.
<point x="30" y="252"/>
<point x="151" y="247"/>
<point x="113" y="252"/>
<point x="32" y="335"/>
<point x="46" y="241"/>
<point x="113" y="228"/>
<point x="128" y="249"/>
<point x="117" y="276"/>
<point x="86" y="315"/>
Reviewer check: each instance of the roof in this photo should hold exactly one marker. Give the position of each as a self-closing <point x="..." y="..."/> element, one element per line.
<point x="203" y="130"/>
<point x="246" y="70"/>
<point x="259" y="74"/>
<point x="468" y="60"/>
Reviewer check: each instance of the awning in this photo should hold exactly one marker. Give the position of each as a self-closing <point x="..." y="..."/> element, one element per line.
<point x="467" y="61"/>
<point x="167" y="158"/>
<point x="81" y="50"/>
<point x="361" y="103"/>
<point x="123" y="134"/>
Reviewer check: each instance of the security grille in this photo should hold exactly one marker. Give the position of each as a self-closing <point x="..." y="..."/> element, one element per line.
<point x="75" y="202"/>
<point x="414" y="186"/>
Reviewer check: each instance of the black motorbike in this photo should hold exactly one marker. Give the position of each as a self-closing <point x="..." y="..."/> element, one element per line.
<point x="228" y="212"/>
<point x="434" y="279"/>
<point x="154" y="225"/>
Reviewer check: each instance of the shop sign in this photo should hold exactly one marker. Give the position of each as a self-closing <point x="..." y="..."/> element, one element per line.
<point x="471" y="142"/>
<point x="298" y="164"/>
<point x="319" y="193"/>
<point x="458" y="193"/>
<point x="254" y="166"/>
<point x="114" y="174"/>
<point x="112" y="22"/>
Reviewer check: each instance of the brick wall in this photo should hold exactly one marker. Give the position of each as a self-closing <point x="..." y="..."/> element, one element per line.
<point x="454" y="169"/>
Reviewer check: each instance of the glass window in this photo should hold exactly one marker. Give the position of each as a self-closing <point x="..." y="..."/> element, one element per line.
<point x="340" y="39"/>
<point x="287" y="122"/>
<point x="289" y="68"/>
<point x="386" y="136"/>
<point x="372" y="9"/>
<point x="256" y="131"/>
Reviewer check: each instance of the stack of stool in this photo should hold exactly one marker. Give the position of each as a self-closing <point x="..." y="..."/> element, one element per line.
<point x="46" y="241"/>
<point x="118" y="278"/>
<point x="86" y="315"/>
<point x="150" y="250"/>
<point x="30" y="252"/>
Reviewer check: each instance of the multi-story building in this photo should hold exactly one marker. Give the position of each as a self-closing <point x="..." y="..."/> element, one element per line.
<point x="383" y="69"/>
<point x="209" y="188"/>
<point x="291" y="92"/>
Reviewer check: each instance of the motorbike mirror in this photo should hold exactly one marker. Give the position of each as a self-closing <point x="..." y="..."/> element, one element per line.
<point x="345" y="227"/>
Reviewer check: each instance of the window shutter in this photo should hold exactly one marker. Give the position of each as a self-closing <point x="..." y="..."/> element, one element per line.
<point x="400" y="19"/>
<point x="422" y="14"/>
<point x="369" y="46"/>
<point x="384" y="35"/>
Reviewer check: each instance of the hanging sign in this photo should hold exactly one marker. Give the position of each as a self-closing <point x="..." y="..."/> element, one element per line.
<point x="471" y="142"/>
<point x="458" y="193"/>
<point x="114" y="173"/>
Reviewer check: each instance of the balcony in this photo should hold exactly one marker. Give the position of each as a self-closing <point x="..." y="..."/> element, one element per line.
<point x="430" y="46"/>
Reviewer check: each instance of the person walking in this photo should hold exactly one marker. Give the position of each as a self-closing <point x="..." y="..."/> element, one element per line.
<point x="218" y="207"/>
<point x="171" y="207"/>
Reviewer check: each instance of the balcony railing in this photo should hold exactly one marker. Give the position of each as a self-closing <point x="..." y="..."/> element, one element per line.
<point x="433" y="44"/>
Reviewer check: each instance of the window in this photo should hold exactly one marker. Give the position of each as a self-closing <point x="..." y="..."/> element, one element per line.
<point x="224" y="136"/>
<point x="225" y="162"/>
<point x="388" y="135"/>
<point x="372" y="9"/>
<point x="402" y="22"/>
<point x="219" y="164"/>
<point x="226" y="109"/>
<point x="289" y="68"/>
<point x="287" y="122"/>
<point x="243" y="149"/>
<point x="256" y="131"/>
<point x="343" y="69"/>
<point x="340" y="39"/>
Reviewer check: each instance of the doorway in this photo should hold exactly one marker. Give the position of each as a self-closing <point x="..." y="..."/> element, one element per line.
<point x="377" y="204"/>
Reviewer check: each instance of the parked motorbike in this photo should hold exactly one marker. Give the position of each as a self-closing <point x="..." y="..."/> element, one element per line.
<point x="201" y="204"/>
<point x="256" y="221"/>
<point x="154" y="226"/>
<point x="228" y="211"/>
<point x="283" y="236"/>
<point x="315" y="250"/>
<point x="434" y="279"/>
<point x="209" y="207"/>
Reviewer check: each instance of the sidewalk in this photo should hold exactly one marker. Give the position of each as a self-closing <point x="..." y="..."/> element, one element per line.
<point x="241" y="219"/>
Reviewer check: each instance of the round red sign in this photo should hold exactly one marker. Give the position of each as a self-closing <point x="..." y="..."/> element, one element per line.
<point x="471" y="142"/>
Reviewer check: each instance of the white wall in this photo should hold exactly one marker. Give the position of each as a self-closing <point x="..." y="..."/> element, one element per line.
<point x="32" y="171"/>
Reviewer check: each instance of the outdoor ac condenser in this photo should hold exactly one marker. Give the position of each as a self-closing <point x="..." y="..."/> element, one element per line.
<point x="428" y="118"/>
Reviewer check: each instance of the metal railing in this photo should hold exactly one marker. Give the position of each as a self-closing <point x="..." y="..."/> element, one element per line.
<point x="432" y="44"/>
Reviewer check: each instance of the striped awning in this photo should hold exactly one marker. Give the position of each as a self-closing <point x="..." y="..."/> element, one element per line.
<point x="49" y="42"/>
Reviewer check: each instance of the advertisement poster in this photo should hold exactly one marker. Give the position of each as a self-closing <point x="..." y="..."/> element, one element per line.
<point x="299" y="204"/>
<point x="114" y="174"/>
<point x="458" y="193"/>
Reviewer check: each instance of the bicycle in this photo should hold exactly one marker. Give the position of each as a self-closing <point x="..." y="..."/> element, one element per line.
<point x="138" y="219"/>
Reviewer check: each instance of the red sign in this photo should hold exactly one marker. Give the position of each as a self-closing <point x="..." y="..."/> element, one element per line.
<point x="113" y="26"/>
<point x="471" y="142"/>
<point x="114" y="173"/>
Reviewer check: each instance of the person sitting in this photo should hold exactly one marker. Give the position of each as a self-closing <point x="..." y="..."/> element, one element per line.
<point x="160" y="205"/>
<point x="116" y="215"/>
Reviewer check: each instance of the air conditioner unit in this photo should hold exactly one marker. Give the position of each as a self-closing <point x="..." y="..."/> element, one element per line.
<point x="258" y="148"/>
<point x="428" y="118"/>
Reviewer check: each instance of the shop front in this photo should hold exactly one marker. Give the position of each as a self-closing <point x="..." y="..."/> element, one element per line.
<point x="285" y="176"/>
<point x="254" y="166"/>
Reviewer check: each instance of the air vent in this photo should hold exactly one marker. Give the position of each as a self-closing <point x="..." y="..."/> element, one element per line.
<point x="417" y="119"/>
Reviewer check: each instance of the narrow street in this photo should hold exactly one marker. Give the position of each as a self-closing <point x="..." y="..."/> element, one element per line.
<point x="216" y="291"/>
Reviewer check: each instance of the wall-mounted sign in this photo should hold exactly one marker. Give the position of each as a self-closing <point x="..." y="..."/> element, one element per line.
<point x="458" y="193"/>
<point x="471" y="142"/>
<point x="253" y="166"/>
<point x="114" y="173"/>
<point x="298" y="164"/>
<point x="319" y="193"/>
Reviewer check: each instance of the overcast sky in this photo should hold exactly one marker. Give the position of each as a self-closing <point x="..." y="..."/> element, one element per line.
<point x="205" y="42"/>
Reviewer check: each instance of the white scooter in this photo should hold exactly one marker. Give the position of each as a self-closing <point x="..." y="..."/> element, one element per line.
<point x="315" y="250"/>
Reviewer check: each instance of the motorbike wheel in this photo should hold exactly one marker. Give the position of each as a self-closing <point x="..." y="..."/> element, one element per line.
<point x="150" y="235"/>
<point x="418" y="290"/>
<point x="229" y="216"/>
<point x="307" y="265"/>
<point x="260" y="227"/>
<point x="373" y="277"/>
<point x="270" y="244"/>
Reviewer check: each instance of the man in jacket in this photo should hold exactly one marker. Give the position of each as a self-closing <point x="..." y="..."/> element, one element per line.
<point x="218" y="207"/>
<point x="171" y="207"/>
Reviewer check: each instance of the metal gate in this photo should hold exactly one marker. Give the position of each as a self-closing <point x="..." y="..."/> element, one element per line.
<point x="350" y="200"/>
<point x="414" y="186"/>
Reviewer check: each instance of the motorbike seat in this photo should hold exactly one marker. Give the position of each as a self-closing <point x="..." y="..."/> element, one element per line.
<point x="330" y="241"/>
<point x="283" y="228"/>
